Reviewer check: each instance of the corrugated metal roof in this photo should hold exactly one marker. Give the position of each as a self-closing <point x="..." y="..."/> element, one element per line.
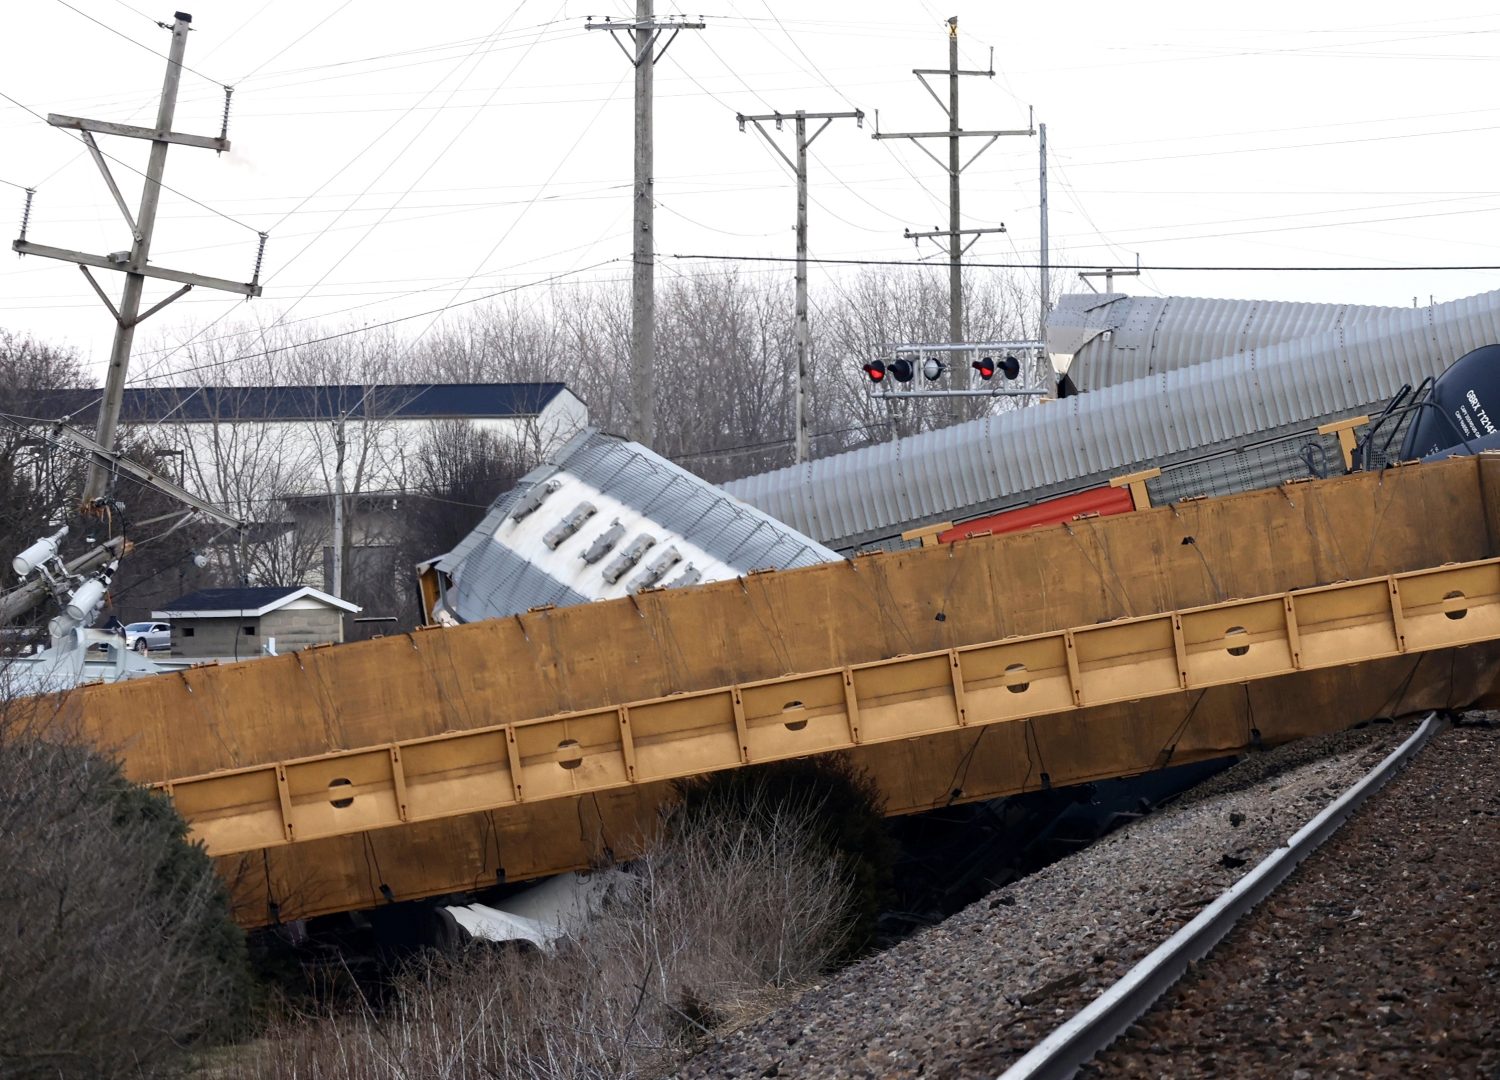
<point x="1117" y="338"/>
<point x="196" y="404"/>
<point x="603" y="519"/>
<point x="1252" y="396"/>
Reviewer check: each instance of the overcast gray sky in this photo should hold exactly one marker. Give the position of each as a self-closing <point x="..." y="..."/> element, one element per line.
<point x="408" y="157"/>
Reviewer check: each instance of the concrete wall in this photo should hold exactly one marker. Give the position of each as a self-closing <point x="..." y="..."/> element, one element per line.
<point x="226" y="637"/>
<point x="295" y="630"/>
<point x="214" y="638"/>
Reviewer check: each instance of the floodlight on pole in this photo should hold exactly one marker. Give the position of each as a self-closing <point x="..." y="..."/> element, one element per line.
<point x="39" y="553"/>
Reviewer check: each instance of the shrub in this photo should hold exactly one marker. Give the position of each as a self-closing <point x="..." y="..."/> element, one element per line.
<point x="115" y="939"/>
<point x="738" y="900"/>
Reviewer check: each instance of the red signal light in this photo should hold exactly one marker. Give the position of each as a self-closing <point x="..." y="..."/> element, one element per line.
<point x="985" y="367"/>
<point x="875" y="369"/>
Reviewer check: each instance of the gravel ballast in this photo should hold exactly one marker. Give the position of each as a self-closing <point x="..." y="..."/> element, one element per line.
<point x="970" y="996"/>
<point x="1379" y="957"/>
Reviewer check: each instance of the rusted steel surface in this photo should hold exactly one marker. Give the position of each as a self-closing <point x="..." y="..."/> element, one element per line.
<point x="1103" y="501"/>
<point x="427" y="694"/>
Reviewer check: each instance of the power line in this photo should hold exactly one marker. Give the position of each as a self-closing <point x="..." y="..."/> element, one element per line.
<point x="295" y="41"/>
<point x="394" y="321"/>
<point x="1084" y="266"/>
<point x="132" y="168"/>
<point x="133" y="41"/>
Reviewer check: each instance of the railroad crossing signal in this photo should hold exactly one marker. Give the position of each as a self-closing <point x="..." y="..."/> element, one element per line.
<point x="935" y="361"/>
<point x="1010" y="367"/>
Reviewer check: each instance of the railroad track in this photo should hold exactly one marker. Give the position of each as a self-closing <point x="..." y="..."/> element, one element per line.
<point x="1381" y="956"/>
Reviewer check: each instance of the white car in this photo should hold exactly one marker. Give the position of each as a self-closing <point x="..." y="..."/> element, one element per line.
<point x="146" y="636"/>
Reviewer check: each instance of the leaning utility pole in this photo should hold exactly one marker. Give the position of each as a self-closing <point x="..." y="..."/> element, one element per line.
<point x="799" y="169"/>
<point x="645" y="30"/>
<point x="133" y="262"/>
<point x="955" y="234"/>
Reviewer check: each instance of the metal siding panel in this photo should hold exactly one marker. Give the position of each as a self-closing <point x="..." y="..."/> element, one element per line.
<point x="1328" y="361"/>
<point x="502" y="567"/>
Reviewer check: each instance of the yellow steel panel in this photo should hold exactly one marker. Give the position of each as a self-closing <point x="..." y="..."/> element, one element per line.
<point x="455" y="774"/>
<point x="233" y="813"/>
<point x="1126" y="660"/>
<point x="570" y="753"/>
<point x="342" y="794"/>
<point x="796" y="716"/>
<point x="1236" y="641"/>
<point x="904" y="698"/>
<point x="642" y="660"/>
<point x="1345" y="623"/>
<point x="1025" y="677"/>
<point x="1450" y="605"/>
<point x="695" y="732"/>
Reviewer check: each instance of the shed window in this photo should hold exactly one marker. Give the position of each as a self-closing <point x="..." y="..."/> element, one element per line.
<point x="186" y="631"/>
<point x="249" y="631"/>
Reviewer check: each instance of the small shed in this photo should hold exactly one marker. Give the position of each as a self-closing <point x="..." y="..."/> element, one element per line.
<point x="246" y="622"/>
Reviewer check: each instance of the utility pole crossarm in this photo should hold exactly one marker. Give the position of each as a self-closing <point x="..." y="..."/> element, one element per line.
<point x="111" y="262"/>
<point x="132" y="131"/>
<point x="961" y="134"/>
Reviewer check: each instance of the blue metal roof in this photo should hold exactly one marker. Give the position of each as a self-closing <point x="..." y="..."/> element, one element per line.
<point x="246" y="599"/>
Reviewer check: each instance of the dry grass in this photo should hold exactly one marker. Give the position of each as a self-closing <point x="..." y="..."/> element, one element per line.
<point x="726" y="909"/>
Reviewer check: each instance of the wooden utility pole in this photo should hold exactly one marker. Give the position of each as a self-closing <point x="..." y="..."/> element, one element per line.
<point x="644" y="31"/>
<point x="134" y="262"/>
<point x="799" y="169"/>
<point x="959" y="375"/>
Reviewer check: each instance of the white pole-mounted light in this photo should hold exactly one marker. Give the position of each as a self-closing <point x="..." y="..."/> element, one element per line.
<point x="85" y="599"/>
<point x="43" y="551"/>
